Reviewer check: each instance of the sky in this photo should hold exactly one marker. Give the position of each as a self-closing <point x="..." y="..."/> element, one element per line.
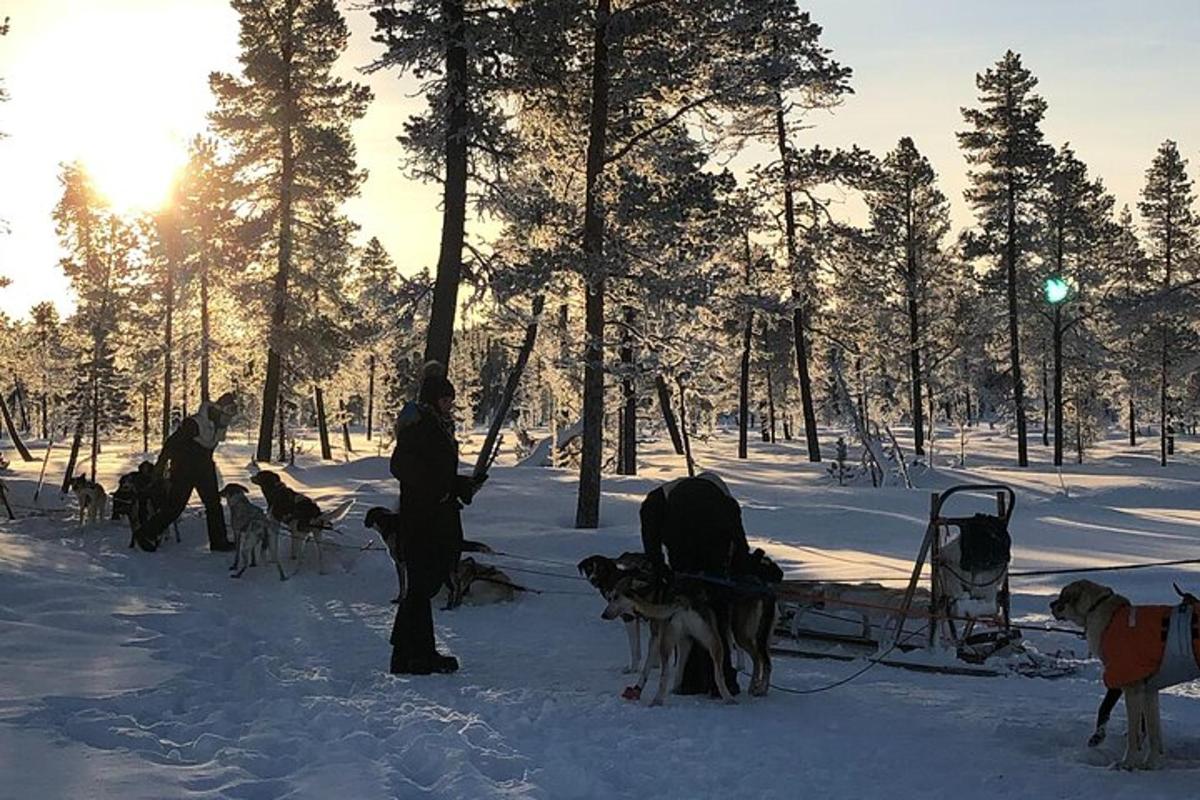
<point x="123" y="84"/>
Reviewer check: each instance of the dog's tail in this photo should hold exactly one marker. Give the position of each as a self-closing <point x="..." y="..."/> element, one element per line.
<point x="1187" y="597"/>
<point x="330" y="518"/>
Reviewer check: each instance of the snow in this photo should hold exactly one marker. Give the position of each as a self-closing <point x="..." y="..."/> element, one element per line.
<point x="137" y="675"/>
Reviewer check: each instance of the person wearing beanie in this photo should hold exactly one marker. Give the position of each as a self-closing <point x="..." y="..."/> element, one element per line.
<point x="186" y="462"/>
<point x="432" y="495"/>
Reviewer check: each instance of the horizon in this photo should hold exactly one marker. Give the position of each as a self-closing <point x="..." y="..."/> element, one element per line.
<point x="1117" y="85"/>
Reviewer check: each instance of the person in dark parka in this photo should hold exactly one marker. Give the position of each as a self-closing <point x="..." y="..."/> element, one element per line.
<point x="699" y="524"/>
<point x="186" y="462"/>
<point x="432" y="494"/>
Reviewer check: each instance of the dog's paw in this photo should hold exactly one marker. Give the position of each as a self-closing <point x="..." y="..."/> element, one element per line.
<point x="658" y="701"/>
<point x="634" y="693"/>
<point x="1096" y="739"/>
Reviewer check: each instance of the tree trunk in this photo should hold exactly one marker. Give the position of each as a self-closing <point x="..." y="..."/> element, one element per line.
<point x="1045" y="403"/>
<point x="287" y="179"/>
<point x="683" y="425"/>
<point x="454" y="197"/>
<point x="664" y="402"/>
<point x="587" y="512"/>
<point x="1058" y="387"/>
<point x="168" y="346"/>
<point x="44" y="403"/>
<point x="1014" y="334"/>
<point x="370" y="395"/>
<point x="798" y="315"/>
<point x="22" y="450"/>
<point x="485" y="457"/>
<point x="1078" y="431"/>
<point x="73" y="458"/>
<point x="347" y="445"/>
<point x="744" y="387"/>
<point x="205" y="334"/>
<point x="145" y="418"/>
<point x="914" y="341"/>
<point x="95" y="423"/>
<point x="1163" y="420"/>
<point x="19" y="397"/>
<point x="629" y="394"/>
<point x="747" y="337"/>
<point x="282" y="431"/>
<point x="771" y="403"/>
<point x="322" y="424"/>
<point x="1132" y="424"/>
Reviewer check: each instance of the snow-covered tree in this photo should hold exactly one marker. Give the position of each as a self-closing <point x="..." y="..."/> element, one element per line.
<point x="1004" y="146"/>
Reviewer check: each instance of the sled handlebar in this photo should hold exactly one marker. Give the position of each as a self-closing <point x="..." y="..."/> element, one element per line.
<point x="1010" y="501"/>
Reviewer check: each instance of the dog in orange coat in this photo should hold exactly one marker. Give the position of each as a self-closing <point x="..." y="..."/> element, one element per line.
<point x="1143" y="649"/>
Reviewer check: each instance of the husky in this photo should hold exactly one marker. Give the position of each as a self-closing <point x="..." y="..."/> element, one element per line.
<point x="1143" y="649"/>
<point x="138" y="497"/>
<point x="604" y="573"/>
<point x="92" y="500"/>
<point x="299" y="515"/>
<point x="679" y="613"/>
<point x="252" y="530"/>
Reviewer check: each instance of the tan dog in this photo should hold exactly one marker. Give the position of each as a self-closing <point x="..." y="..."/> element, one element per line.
<point x="1134" y="660"/>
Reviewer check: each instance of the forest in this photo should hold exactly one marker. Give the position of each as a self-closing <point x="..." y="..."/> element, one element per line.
<point x="640" y="236"/>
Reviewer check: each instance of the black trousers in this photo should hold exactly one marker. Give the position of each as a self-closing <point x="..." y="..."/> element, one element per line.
<point x="412" y="631"/>
<point x="698" y="672"/>
<point x="195" y="472"/>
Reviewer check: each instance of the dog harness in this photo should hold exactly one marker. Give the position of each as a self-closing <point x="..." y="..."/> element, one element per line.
<point x="1158" y="644"/>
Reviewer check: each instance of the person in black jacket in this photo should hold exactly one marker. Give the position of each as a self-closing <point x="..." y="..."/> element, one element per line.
<point x="432" y="494"/>
<point x="186" y="462"/>
<point x="699" y="524"/>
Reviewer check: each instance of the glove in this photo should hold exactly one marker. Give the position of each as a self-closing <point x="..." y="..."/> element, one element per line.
<point x="465" y="487"/>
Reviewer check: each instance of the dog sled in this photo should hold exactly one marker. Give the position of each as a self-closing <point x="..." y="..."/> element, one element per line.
<point x="951" y="617"/>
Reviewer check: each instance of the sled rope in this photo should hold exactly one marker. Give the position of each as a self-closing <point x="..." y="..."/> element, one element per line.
<point x="873" y="662"/>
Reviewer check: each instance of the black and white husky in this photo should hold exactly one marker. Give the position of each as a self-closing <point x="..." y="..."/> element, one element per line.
<point x="253" y="530"/>
<point x="679" y="614"/>
<point x="92" y="500"/>
<point x="604" y="573"/>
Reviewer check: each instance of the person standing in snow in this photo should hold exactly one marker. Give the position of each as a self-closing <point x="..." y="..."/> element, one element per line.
<point x="186" y="462"/>
<point x="432" y="495"/>
<point x="699" y="523"/>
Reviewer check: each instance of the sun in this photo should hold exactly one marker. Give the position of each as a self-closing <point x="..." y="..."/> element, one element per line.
<point x="134" y="170"/>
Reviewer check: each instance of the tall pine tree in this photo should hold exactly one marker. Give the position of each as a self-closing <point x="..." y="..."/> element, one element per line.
<point x="1168" y="214"/>
<point x="1008" y="157"/>
<point x="288" y="118"/>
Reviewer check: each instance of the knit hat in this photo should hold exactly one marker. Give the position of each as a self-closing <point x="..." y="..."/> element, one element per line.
<point x="434" y="384"/>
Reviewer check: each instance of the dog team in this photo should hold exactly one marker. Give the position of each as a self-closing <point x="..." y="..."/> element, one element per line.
<point x="709" y="589"/>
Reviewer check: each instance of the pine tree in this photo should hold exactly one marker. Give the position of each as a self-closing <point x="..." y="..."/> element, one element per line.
<point x="1077" y="218"/>
<point x="100" y="252"/>
<point x="1133" y="334"/>
<point x="461" y="51"/>
<point x="1005" y="147"/>
<point x="212" y="247"/>
<point x="288" y="118"/>
<point x="909" y="218"/>
<point x="1168" y="213"/>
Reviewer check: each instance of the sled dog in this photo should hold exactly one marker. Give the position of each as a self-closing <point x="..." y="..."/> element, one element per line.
<point x="1143" y="649"/>
<point x="138" y="497"/>
<point x="679" y="613"/>
<point x="301" y="518"/>
<point x="604" y="573"/>
<point x="92" y="500"/>
<point x="253" y="530"/>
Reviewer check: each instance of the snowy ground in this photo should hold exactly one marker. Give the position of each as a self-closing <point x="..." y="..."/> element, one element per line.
<point x="138" y="675"/>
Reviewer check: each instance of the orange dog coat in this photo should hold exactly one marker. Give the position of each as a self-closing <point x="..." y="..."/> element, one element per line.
<point x="1160" y="643"/>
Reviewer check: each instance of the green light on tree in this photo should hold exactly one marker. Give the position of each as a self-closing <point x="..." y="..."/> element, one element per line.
<point x="1056" y="290"/>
